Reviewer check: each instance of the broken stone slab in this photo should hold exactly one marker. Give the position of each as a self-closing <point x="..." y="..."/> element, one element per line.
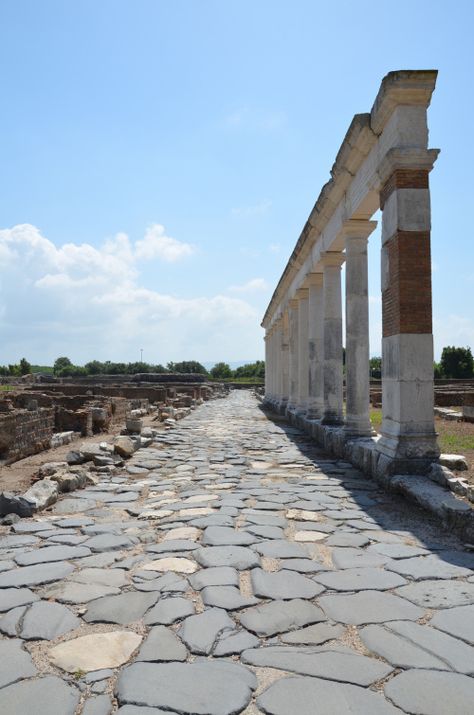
<point x="234" y="643"/>
<point x="168" y="611"/>
<point x="47" y="621"/>
<point x="99" y="705"/>
<point x="200" y="632"/>
<point x="332" y="664"/>
<point x="360" y="579"/>
<point x="283" y="585"/>
<point x="16" y="504"/>
<point x="214" y="576"/>
<point x="437" y="594"/>
<point x="431" y="691"/>
<point x="49" y="554"/>
<point x="458" y="622"/>
<point x="14" y="597"/>
<point x="299" y="695"/>
<point x="369" y="607"/>
<point x="75" y="457"/>
<point x="280" y="617"/>
<point x="35" y="575"/>
<point x="226" y="597"/>
<point x="16" y="663"/>
<point x="43" y="494"/>
<point x="42" y="697"/>
<point x="313" y="635"/>
<point x="161" y="645"/>
<point x="95" y="651"/>
<point x="199" y="688"/>
<point x="457" y="462"/>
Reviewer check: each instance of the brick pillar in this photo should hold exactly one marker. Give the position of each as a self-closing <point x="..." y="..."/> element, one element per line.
<point x="302" y="295"/>
<point x="408" y="434"/>
<point x="293" y="353"/>
<point x="357" y="422"/>
<point x="315" y="347"/>
<point x="332" y="262"/>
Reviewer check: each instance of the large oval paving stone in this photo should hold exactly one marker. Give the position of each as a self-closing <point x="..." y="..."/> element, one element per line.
<point x="331" y="664"/>
<point x="300" y="695"/>
<point x="360" y="579"/>
<point x="430" y="692"/>
<point x="161" y="645"/>
<point x="200" y="688"/>
<point x="433" y="566"/>
<point x="280" y="617"/>
<point x="35" y="575"/>
<point x="201" y="631"/>
<point x="41" y="697"/>
<point x="46" y="621"/>
<point x="14" y="597"/>
<point x="238" y="557"/>
<point x="225" y="536"/>
<point x="16" y="663"/>
<point x="168" y="611"/>
<point x="458" y="622"/>
<point x="369" y="607"/>
<point x="123" y="609"/>
<point x="438" y="594"/>
<point x="283" y="585"/>
<point x="49" y="554"/>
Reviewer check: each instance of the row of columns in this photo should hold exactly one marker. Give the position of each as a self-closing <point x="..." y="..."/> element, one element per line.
<point x="304" y="354"/>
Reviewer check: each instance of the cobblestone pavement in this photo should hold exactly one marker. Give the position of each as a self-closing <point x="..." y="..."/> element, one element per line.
<point x="232" y="567"/>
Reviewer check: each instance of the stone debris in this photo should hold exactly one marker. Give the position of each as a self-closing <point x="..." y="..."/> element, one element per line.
<point x="303" y="569"/>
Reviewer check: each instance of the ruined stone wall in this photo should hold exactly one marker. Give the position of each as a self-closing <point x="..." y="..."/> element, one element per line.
<point x="25" y="432"/>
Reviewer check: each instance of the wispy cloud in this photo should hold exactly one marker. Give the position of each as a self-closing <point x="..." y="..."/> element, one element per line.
<point x="255" y="285"/>
<point x="253" y="210"/>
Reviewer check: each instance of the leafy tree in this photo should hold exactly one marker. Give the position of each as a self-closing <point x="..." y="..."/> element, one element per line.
<point x="254" y="369"/>
<point x="221" y="370"/>
<point x="25" y="367"/>
<point x="375" y="365"/>
<point x="94" y="367"/>
<point x="187" y="366"/>
<point x="60" y="364"/>
<point x="437" y="371"/>
<point x="457" y="363"/>
<point x="14" y="370"/>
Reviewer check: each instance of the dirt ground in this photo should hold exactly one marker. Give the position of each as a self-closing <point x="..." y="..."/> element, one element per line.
<point x="17" y="477"/>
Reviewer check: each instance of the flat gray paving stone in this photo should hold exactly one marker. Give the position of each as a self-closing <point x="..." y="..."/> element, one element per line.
<point x="281" y="549"/>
<point x="168" y="583"/>
<point x="360" y="579"/>
<point x="227" y="597"/>
<point x="14" y="597"/>
<point x="348" y="558"/>
<point x="299" y="695"/>
<point x="31" y="527"/>
<point x="398" y="551"/>
<point x="105" y="577"/>
<point x="41" y="697"/>
<point x="265" y="519"/>
<point x="122" y="609"/>
<point x="438" y="594"/>
<point x="108" y="542"/>
<point x="100" y="705"/>
<point x="73" y="506"/>
<point x="302" y="565"/>
<point x="162" y="645"/>
<point x="172" y="546"/>
<point x="369" y="607"/>
<point x="431" y="692"/>
<point x="217" y="576"/>
<point x="46" y="621"/>
<point x="11" y="621"/>
<point x="428" y="567"/>
<point x="199" y="688"/>
<point x="345" y="667"/>
<point x="234" y="643"/>
<point x="168" y="611"/>
<point x="137" y="710"/>
<point x="458" y="622"/>
<point x="48" y="554"/>
<point x="201" y="631"/>
<point x="35" y="575"/>
<point x="14" y="541"/>
<point x="266" y="532"/>
<point x="225" y="536"/>
<point x="74" y="522"/>
<point x="16" y="663"/>
<point x="347" y="539"/>
<point x="283" y="585"/>
<point x="313" y="635"/>
<point x="238" y="557"/>
<point x="280" y="617"/>
<point x="75" y="593"/>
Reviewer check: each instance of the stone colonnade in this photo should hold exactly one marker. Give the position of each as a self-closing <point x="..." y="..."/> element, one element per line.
<point x="384" y="164"/>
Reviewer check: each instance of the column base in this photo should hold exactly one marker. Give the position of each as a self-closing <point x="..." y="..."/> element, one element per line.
<point x="332" y="418"/>
<point x="409" y="453"/>
<point x="355" y="430"/>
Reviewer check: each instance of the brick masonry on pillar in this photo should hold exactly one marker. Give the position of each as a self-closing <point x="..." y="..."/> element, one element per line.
<point x="383" y="163"/>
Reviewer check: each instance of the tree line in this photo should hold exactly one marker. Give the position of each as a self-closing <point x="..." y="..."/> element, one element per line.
<point x="63" y="367"/>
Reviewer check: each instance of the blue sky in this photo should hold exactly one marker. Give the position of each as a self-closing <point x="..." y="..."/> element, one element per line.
<point x="159" y="159"/>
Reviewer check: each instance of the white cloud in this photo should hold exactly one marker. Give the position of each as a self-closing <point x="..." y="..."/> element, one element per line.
<point x="256" y="119"/>
<point x="85" y="301"/>
<point x="256" y="210"/>
<point x="256" y="285"/>
<point x="156" y="244"/>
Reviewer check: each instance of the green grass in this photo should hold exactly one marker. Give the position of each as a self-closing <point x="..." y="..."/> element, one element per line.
<point x="4" y="388"/>
<point x="451" y="442"/>
<point x="376" y="419"/>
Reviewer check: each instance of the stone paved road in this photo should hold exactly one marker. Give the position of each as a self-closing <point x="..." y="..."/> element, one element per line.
<point x="231" y="567"/>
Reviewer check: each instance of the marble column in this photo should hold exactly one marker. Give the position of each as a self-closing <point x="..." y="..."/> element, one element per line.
<point x="284" y="362"/>
<point x="315" y="347"/>
<point x="277" y="348"/>
<point x="332" y="262"/>
<point x="357" y="422"/>
<point x="267" y="365"/>
<point x="302" y="294"/>
<point x="293" y="354"/>
<point x="408" y="430"/>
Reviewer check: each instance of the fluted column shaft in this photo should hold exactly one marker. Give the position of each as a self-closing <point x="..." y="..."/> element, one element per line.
<point x="302" y="295"/>
<point x="293" y="353"/>
<point x="332" y="262"/>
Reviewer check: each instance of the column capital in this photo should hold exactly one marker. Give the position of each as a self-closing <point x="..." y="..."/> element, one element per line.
<point x="406" y="159"/>
<point x="356" y="228"/>
<point x="332" y="258"/>
<point x="302" y="294"/>
<point x="402" y="87"/>
<point x="313" y="279"/>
